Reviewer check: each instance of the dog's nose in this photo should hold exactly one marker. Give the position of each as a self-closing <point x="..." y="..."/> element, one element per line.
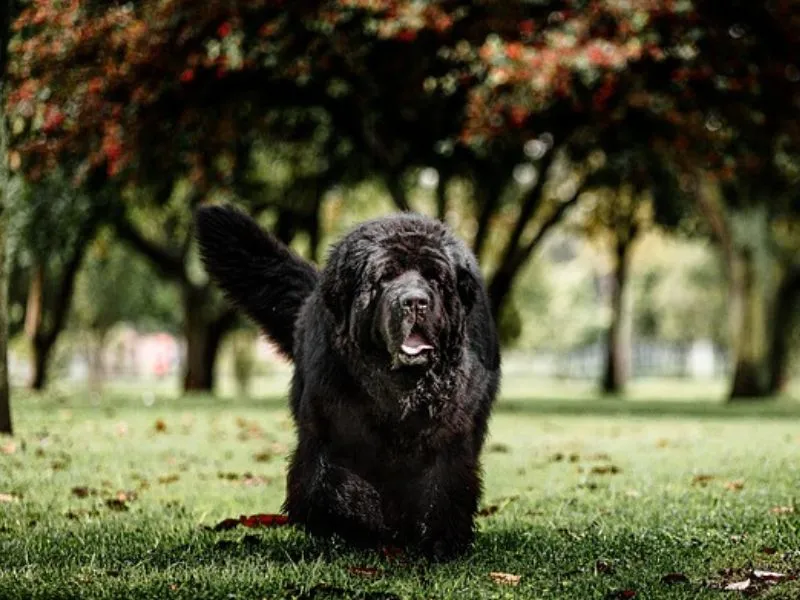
<point x="414" y="301"/>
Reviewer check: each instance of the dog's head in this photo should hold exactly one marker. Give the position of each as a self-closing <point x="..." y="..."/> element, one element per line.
<point x="399" y="289"/>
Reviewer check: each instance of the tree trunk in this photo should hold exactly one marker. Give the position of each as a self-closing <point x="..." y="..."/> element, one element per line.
<point x="42" y="350"/>
<point x="203" y="333"/>
<point x="5" y="391"/>
<point x="33" y="330"/>
<point x="617" y="365"/>
<point x="786" y="306"/>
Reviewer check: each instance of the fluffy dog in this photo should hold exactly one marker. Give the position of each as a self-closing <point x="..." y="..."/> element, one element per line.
<point x="397" y="367"/>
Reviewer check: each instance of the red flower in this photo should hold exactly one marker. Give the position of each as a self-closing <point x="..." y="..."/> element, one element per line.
<point x="52" y="120"/>
<point x="518" y="115"/>
<point x="526" y="27"/>
<point x="514" y="51"/>
<point x="187" y="76"/>
<point x="407" y="35"/>
<point x="224" y="30"/>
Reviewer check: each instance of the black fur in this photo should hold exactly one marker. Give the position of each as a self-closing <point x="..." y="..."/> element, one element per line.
<point x="397" y="368"/>
<point x="257" y="272"/>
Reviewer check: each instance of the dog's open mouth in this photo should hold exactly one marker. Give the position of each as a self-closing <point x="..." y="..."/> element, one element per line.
<point x="415" y="344"/>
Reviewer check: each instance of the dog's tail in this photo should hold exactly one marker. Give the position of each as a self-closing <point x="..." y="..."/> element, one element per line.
<point x="257" y="272"/>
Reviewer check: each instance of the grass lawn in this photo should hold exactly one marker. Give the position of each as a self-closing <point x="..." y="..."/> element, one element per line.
<point x="113" y="497"/>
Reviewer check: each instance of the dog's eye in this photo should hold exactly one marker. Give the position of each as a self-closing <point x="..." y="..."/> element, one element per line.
<point x="431" y="275"/>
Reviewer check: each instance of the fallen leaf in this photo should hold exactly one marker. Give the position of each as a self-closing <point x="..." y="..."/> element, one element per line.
<point x="172" y="478"/>
<point x="738" y="586"/>
<point x="8" y="448"/>
<point x="263" y="520"/>
<point x="702" y="479"/>
<point x="557" y="457"/>
<point x="662" y="443"/>
<point x="260" y="520"/>
<point x="573" y="458"/>
<point x="498" y="448"/>
<point x="263" y="456"/>
<point x="160" y="426"/>
<point x="117" y="504"/>
<point x="674" y="578"/>
<point x="125" y="496"/>
<point x="60" y="465"/>
<point x="226" y="524"/>
<point x="488" y="511"/>
<point x="604" y="567"/>
<point x="768" y="550"/>
<point x="364" y="571"/>
<point x="734" y="486"/>
<point x="5" y="498"/>
<point x="769" y="575"/>
<point x="605" y="470"/>
<point x="505" y="578"/>
<point x="782" y="510"/>
<point x="83" y="492"/>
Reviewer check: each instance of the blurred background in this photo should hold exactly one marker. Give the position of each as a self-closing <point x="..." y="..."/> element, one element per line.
<point x="626" y="172"/>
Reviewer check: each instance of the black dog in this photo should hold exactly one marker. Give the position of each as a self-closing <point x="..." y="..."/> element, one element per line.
<point x="396" y="369"/>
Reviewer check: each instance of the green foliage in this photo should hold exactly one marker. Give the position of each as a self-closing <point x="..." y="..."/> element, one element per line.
<point x="118" y="286"/>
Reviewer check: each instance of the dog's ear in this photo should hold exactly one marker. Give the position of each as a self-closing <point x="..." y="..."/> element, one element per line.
<point x="336" y="285"/>
<point x="468" y="286"/>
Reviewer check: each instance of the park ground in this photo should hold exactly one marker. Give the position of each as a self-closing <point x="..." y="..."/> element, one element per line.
<point x="667" y="494"/>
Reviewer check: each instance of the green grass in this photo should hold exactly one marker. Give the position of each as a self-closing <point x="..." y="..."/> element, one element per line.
<point x="591" y="498"/>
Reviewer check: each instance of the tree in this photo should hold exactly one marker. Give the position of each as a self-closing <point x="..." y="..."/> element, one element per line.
<point x="8" y="7"/>
<point x="117" y="286"/>
<point x="736" y="101"/>
<point x="402" y="85"/>
<point x="55" y="225"/>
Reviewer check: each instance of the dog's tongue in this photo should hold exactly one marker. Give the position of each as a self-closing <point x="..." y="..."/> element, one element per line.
<point x="414" y="344"/>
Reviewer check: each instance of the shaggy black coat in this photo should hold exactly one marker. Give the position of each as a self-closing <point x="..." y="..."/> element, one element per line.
<point x="396" y="369"/>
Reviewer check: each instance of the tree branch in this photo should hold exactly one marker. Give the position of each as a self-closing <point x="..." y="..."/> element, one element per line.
<point x="168" y="264"/>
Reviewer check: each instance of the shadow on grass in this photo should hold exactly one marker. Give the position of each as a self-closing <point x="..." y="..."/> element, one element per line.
<point x="700" y="408"/>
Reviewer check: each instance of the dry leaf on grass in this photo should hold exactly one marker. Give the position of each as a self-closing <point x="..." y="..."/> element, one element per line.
<point x="172" y="478"/>
<point x="260" y="520"/>
<point x="365" y="571"/>
<point x="6" y="498"/>
<point x="702" y="479"/>
<point x="769" y="575"/>
<point x="604" y="567"/>
<point x="605" y="470"/>
<point x="738" y="586"/>
<point x="674" y="578"/>
<point x="782" y="510"/>
<point x="83" y="492"/>
<point x="498" y="448"/>
<point x="160" y="426"/>
<point x="8" y="448"/>
<point x="505" y="578"/>
<point x="734" y="486"/>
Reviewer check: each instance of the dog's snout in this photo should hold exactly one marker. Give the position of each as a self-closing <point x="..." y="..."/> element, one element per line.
<point x="415" y="300"/>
